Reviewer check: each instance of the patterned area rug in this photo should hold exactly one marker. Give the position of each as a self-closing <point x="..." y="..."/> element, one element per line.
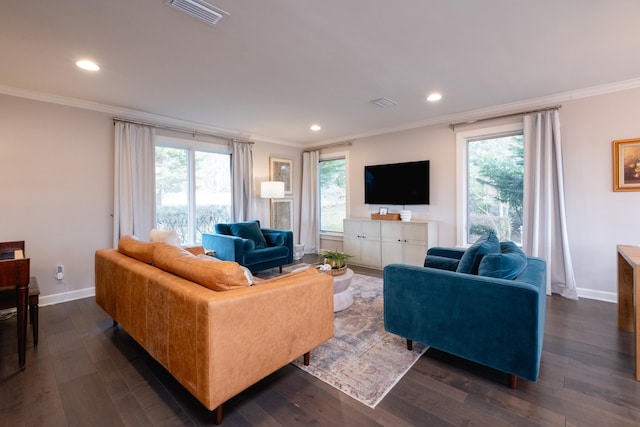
<point x="362" y="359"/>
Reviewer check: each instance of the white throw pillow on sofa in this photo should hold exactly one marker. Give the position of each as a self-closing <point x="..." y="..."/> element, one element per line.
<point x="169" y="237"/>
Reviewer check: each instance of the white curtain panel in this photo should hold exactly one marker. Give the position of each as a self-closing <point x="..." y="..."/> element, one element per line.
<point x="241" y="180"/>
<point x="309" y="211"/>
<point x="134" y="208"/>
<point x="545" y="222"/>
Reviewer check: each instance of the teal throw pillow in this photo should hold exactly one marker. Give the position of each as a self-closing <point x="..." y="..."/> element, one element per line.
<point x="506" y="265"/>
<point x="470" y="261"/>
<point x="249" y="230"/>
<point x="274" y="239"/>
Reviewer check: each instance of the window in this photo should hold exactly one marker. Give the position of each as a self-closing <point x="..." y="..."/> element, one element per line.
<point x="491" y="162"/>
<point x="193" y="188"/>
<point x="332" y="178"/>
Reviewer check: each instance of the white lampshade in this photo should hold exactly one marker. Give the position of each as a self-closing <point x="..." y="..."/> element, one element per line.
<point x="272" y="190"/>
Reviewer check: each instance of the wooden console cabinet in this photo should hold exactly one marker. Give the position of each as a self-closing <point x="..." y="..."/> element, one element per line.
<point x="375" y="243"/>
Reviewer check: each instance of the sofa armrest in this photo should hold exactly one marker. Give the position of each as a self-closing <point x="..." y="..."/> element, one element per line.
<point x="228" y="248"/>
<point x="495" y="322"/>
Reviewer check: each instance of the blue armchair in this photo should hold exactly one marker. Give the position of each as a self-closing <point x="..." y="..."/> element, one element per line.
<point x="250" y="245"/>
<point x="492" y="314"/>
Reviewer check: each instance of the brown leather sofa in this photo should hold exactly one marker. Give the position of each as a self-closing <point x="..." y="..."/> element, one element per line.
<point x="216" y="343"/>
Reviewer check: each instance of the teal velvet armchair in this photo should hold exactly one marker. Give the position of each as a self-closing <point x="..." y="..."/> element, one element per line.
<point x="250" y="245"/>
<point x="493" y="314"/>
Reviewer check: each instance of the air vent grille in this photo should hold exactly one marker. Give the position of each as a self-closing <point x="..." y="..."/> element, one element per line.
<point x="198" y="9"/>
<point x="384" y="102"/>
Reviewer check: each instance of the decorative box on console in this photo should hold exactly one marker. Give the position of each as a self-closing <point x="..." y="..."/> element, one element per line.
<point x="386" y="217"/>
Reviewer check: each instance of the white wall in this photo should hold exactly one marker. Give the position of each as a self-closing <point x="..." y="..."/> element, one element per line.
<point x="57" y="193"/>
<point x="598" y="218"/>
<point x="56" y="164"/>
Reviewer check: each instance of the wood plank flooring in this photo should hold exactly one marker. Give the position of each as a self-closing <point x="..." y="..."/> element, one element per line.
<point x="85" y="372"/>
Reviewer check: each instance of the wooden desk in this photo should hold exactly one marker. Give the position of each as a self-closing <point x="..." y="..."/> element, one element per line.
<point x="629" y="295"/>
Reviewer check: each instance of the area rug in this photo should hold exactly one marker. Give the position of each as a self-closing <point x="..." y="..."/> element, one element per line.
<point x="362" y="360"/>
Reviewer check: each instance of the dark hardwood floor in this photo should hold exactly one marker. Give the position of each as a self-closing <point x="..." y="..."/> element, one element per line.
<point x="85" y="372"/>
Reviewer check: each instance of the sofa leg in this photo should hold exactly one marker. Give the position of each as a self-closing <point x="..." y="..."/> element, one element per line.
<point x="115" y="323"/>
<point x="306" y="358"/>
<point x="513" y="381"/>
<point x="409" y="344"/>
<point x="280" y="269"/>
<point x="217" y="415"/>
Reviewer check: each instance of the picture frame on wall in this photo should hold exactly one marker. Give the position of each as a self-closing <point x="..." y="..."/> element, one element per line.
<point x="282" y="170"/>
<point x="282" y="214"/>
<point x="626" y="165"/>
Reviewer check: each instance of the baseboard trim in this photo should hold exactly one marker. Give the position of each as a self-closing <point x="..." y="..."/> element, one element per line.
<point x="605" y="296"/>
<point x="597" y="295"/>
<point x="66" y="296"/>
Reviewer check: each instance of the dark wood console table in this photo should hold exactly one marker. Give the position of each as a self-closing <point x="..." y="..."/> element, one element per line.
<point x="14" y="286"/>
<point x="629" y="296"/>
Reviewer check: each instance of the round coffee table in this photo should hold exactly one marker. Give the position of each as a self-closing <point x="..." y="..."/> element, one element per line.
<point x="342" y="296"/>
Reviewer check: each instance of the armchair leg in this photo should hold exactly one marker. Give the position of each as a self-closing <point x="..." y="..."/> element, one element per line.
<point x="307" y="358"/>
<point x="513" y="381"/>
<point x="409" y="344"/>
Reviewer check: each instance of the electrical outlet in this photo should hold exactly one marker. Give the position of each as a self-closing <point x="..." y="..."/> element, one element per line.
<point x="60" y="272"/>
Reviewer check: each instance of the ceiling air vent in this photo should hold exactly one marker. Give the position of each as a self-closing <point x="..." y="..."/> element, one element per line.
<point x="384" y="102"/>
<point x="198" y="9"/>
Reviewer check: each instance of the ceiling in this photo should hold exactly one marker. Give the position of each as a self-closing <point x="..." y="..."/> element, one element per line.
<point x="272" y="68"/>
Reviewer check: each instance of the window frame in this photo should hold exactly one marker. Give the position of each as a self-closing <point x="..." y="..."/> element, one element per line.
<point x="191" y="146"/>
<point x="334" y="235"/>
<point x="462" y="139"/>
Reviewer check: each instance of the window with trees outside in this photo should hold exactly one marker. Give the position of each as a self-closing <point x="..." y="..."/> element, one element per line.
<point x="332" y="193"/>
<point x="193" y="189"/>
<point x="492" y="187"/>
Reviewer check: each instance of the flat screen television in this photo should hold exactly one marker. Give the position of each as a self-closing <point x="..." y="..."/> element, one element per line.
<point x="397" y="183"/>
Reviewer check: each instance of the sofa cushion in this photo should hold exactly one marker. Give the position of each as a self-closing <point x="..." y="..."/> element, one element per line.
<point x="167" y="236"/>
<point x="245" y="270"/>
<point x="135" y="248"/>
<point x="216" y="275"/>
<point x="506" y="265"/>
<point x="249" y="230"/>
<point x="441" y="262"/>
<point x="487" y="244"/>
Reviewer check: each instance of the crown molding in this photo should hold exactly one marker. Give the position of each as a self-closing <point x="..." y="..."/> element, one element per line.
<point x="497" y="110"/>
<point x="128" y="114"/>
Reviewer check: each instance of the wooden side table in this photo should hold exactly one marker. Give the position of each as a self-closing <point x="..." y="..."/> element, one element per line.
<point x="629" y="295"/>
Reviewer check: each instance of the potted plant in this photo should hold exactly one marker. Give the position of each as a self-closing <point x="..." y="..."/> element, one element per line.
<point x="336" y="259"/>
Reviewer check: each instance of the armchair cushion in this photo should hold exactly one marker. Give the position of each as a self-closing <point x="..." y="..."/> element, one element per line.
<point x="274" y="239"/>
<point x="506" y="265"/>
<point x="249" y="230"/>
<point x="441" y="262"/>
<point x="470" y="261"/>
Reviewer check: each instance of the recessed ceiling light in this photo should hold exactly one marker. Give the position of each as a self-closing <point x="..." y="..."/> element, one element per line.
<point x="85" y="64"/>
<point x="315" y="128"/>
<point x="434" y="97"/>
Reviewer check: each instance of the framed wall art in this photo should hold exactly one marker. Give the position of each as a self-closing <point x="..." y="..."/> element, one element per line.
<point x="626" y="165"/>
<point x="282" y="214"/>
<point x="282" y="170"/>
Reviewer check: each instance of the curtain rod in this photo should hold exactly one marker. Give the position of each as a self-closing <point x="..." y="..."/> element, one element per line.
<point x="180" y="130"/>
<point x="335" y="144"/>
<point x="555" y="107"/>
